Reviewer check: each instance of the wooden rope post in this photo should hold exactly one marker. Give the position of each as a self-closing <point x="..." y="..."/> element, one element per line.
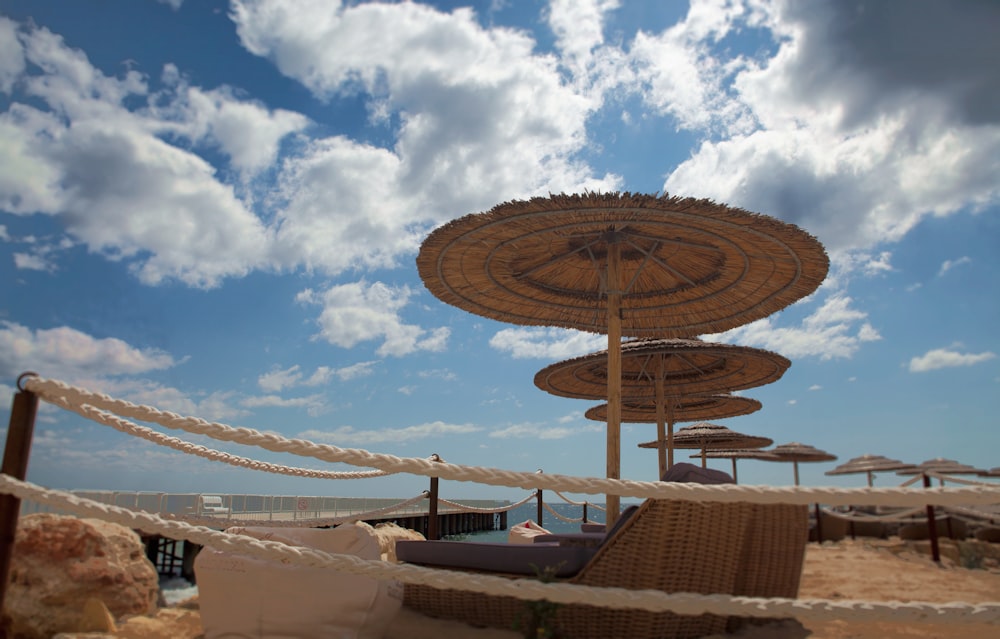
<point x="538" y="499"/>
<point x="433" y="528"/>
<point x="932" y="525"/>
<point x="15" y="464"/>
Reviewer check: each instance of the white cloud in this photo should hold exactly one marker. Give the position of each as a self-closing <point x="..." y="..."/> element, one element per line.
<point x="546" y="343"/>
<point x="947" y="265"/>
<point x="815" y="387"/>
<point x="834" y="330"/>
<point x="358" y="312"/>
<point x="11" y="56"/>
<point x="315" y="405"/>
<point x="348" y="435"/>
<point x="68" y="354"/>
<point x="540" y="431"/>
<point x="946" y="358"/>
<point x="838" y="129"/>
<point x="482" y="118"/>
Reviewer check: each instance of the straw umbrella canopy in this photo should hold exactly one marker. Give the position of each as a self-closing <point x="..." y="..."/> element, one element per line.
<point x="992" y="472"/>
<point x="704" y="435"/>
<point x="795" y="452"/>
<point x="621" y="264"/>
<point x="869" y="464"/>
<point x="941" y="466"/>
<point x="685" y="409"/>
<point x="663" y="372"/>
<point x="749" y="453"/>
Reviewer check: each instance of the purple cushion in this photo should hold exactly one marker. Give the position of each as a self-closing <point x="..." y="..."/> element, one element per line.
<point x="519" y="559"/>
<point x="689" y="473"/>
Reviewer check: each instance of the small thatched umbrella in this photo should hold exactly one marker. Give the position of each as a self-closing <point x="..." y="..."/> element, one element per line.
<point x="869" y="464"/>
<point x="681" y="409"/>
<point x="662" y="373"/>
<point x="749" y="453"/>
<point x="702" y="436"/>
<point x="992" y="472"/>
<point x="795" y="452"/>
<point x="621" y="264"/>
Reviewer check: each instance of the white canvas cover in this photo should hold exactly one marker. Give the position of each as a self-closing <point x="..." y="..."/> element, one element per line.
<point x="247" y="598"/>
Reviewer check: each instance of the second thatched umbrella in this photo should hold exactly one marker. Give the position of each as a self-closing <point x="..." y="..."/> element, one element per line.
<point x="703" y="436"/>
<point x="621" y="264"/>
<point x="664" y="374"/>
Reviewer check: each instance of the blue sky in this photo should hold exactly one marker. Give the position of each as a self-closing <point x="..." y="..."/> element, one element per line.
<point x="214" y="208"/>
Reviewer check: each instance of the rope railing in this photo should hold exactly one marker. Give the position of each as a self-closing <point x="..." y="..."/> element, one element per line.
<point x="525" y="589"/>
<point x="97" y="407"/>
<point x="474" y="509"/>
<point x="312" y="522"/>
<point x="560" y="516"/>
<point x="901" y="516"/>
<point x="959" y="480"/>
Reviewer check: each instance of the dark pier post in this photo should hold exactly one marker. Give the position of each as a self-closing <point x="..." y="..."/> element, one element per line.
<point x="584" y="512"/>
<point x="15" y="464"/>
<point x="538" y="497"/>
<point x="932" y="525"/>
<point x="433" y="529"/>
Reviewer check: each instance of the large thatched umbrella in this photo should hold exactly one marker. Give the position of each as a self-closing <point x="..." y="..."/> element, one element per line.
<point x="621" y="264"/>
<point x="680" y="409"/>
<point x="796" y="452"/>
<point x="703" y="436"/>
<point x="869" y="464"/>
<point x="663" y="373"/>
<point x="749" y="453"/>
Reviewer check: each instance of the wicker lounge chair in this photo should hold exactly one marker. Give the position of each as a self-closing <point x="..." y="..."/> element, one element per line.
<point x="668" y="545"/>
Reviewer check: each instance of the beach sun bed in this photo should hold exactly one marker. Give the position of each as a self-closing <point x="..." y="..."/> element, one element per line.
<point x="667" y="545"/>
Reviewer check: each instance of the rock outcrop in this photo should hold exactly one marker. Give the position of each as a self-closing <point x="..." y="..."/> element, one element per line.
<point x="59" y="563"/>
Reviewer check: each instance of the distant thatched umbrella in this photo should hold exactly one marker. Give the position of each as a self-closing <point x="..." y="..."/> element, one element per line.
<point x="662" y="373"/>
<point x="869" y="464"/>
<point x="941" y="466"/>
<point x="704" y="436"/>
<point x="796" y="452"/>
<point x="621" y="264"/>
<point x="992" y="472"/>
<point x="749" y="453"/>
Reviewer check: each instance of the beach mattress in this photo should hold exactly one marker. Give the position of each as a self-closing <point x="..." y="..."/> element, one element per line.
<point x="243" y="597"/>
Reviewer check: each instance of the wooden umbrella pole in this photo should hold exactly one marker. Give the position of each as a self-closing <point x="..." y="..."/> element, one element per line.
<point x="661" y="428"/>
<point x="614" y="375"/>
<point x="735" y="481"/>
<point x="670" y="436"/>
<point x="796" y="464"/>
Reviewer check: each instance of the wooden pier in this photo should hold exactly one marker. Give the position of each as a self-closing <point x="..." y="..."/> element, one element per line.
<point x="174" y="557"/>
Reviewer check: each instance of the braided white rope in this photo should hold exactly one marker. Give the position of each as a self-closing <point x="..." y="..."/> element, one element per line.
<point x="959" y="480"/>
<point x="972" y="515"/>
<point x="904" y="515"/>
<point x="526" y="589"/>
<point x="568" y="500"/>
<point x="727" y="493"/>
<point x="316" y="522"/>
<point x="498" y="509"/>
<point x="561" y="517"/>
<point x="151" y="435"/>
